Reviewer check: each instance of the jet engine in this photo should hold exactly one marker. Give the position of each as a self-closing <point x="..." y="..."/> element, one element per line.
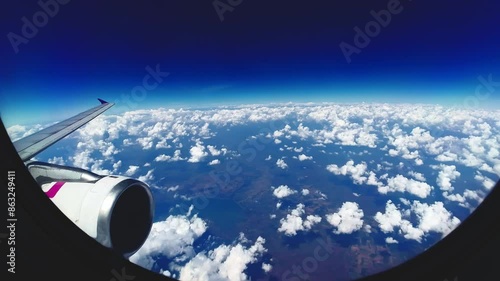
<point x="116" y="211"/>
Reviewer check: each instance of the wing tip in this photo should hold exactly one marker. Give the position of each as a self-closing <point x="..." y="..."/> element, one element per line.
<point x="102" y="101"/>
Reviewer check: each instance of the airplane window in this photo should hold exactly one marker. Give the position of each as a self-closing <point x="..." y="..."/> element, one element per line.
<point x="293" y="190"/>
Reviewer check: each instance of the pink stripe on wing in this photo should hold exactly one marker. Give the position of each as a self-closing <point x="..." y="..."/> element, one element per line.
<point x="54" y="189"/>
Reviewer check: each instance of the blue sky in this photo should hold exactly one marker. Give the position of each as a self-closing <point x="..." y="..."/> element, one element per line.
<point x="262" y="52"/>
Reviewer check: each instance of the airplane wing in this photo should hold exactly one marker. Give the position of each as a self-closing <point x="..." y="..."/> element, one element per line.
<point x="31" y="145"/>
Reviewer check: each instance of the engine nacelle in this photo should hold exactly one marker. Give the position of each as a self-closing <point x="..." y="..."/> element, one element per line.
<point x="117" y="211"/>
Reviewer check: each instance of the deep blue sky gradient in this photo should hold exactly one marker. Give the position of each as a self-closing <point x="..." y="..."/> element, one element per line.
<point x="263" y="51"/>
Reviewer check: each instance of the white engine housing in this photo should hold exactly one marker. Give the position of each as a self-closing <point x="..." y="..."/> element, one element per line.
<point x="117" y="211"/>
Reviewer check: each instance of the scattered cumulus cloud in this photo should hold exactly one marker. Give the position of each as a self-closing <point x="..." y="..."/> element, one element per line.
<point x="296" y="221"/>
<point x="266" y="267"/>
<point x="197" y="153"/>
<point x="214" y="162"/>
<point x="446" y="176"/>
<point x="226" y="262"/>
<point x="131" y="170"/>
<point x="390" y="240"/>
<point x="303" y="157"/>
<point x="283" y="191"/>
<point x="281" y="164"/>
<point x="357" y="172"/>
<point x="431" y="218"/>
<point x="147" y="177"/>
<point x="168" y="158"/>
<point x="487" y="182"/>
<point x="348" y="219"/>
<point x="173" y="237"/>
<point x="400" y="183"/>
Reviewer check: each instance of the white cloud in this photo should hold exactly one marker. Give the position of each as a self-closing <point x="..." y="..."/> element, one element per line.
<point x="162" y="144"/>
<point x="390" y="240"/>
<point x="407" y="146"/>
<point x="214" y="162"/>
<point x="147" y="177"/>
<point x="487" y="182"/>
<point x="146" y="142"/>
<point x="177" y="156"/>
<point x="435" y="217"/>
<point x="410" y="232"/>
<point x="405" y="201"/>
<point x="173" y="188"/>
<point x="390" y="219"/>
<point x="294" y="221"/>
<point x="173" y="237"/>
<point x="303" y="157"/>
<point x="281" y="164"/>
<point x="266" y="267"/>
<point x="372" y="179"/>
<point x="214" y="151"/>
<point x="472" y="195"/>
<point x="56" y="160"/>
<point x="393" y="219"/>
<point x="163" y="157"/>
<point x="283" y="191"/>
<point x="305" y="191"/>
<point x="226" y="262"/>
<point x="367" y="228"/>
<point x="131" y="170"/>
<point x="447" y="156"/>
<point x="127" y="142"/>
<point x="16" y="132"/>
<point x="321" y="195"/>
<point x="446" y="176"/>
<point x="116" y="166"/>
<point x="357" y="172"/>
<point x="417" y="176"/>
<point x="197" y="153"/>
<point x="403" y="184"/>
<point x="454" y="197"/>
<point x="348" y="219"/>
<point x="431" y="218"/>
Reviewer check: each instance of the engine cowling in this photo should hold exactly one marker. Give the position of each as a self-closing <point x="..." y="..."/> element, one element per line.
<point x="117" y="211"/>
